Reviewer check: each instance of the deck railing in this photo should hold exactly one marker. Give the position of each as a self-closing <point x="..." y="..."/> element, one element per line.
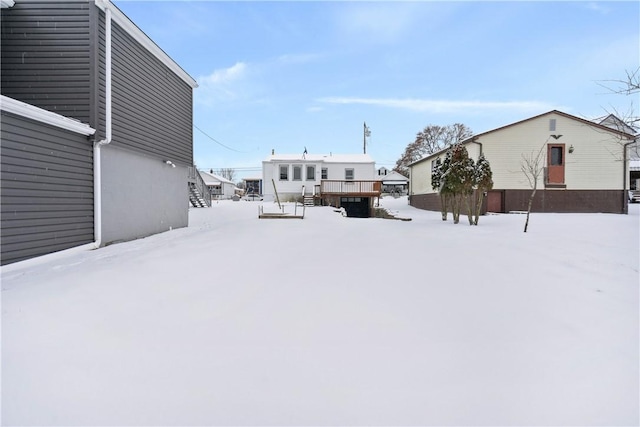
<point x="368" y="188"/>
<point x="196" y="180"/>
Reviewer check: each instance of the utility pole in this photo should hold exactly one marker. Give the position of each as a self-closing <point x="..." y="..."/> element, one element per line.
<point x="366" y="133"/>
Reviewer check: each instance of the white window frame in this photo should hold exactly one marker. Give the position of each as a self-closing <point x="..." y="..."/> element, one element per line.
<point x="296" y="168"/>
<point x="284" y="168"/>
<point x="310" y="176"/>
<point x="324" y="173"/>
<point x="346" y="174"/>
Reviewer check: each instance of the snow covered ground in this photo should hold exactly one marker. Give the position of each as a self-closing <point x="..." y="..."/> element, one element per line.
<point x="332" y="321"/>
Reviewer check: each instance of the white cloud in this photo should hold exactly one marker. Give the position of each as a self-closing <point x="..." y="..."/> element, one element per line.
<point x="221" y="84"/>
<point x="440" y="106"/>
<point x="597" y="7"/>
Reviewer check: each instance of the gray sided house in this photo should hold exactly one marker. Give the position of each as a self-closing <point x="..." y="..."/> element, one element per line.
<point x="121" y="172"/>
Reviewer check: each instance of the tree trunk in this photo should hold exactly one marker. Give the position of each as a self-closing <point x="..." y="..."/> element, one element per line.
<point x="443" y="206"/>
<point x="526" y="224"/>
<point x="455" y="208"/>
<point x="479" y="200"/>
<point x="471" y="202"/>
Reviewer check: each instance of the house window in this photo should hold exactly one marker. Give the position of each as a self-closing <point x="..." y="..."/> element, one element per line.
<point x="552" y="125"/>
<point x="284" y="172"/>
<point x="556" y="156"/>
<point x="297" y="172"/>
<point x="311" y="173"/>
<point x="348" y="174"/>
<point x="325" y="173"/>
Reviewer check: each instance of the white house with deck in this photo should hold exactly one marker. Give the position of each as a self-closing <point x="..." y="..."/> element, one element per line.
<point x="346" y="180"/>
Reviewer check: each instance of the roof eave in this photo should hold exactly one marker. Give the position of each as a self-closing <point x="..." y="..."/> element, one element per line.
<point x="132" y="29"/>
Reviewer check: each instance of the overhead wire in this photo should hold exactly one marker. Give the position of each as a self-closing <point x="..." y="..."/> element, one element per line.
<point x="218" y="142"/>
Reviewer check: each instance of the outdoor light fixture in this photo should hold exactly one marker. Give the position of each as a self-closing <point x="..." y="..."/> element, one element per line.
<point x="571" y="148"/>
<point x="170" y="163"/>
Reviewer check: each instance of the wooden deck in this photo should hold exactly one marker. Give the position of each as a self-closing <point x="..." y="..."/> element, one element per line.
<point x="350" y="188"/>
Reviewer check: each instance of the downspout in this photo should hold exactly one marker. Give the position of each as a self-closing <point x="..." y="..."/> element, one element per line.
<point x="97" y="164"/>
<point x="625" y="193"/>
<point x="475" y="141"/>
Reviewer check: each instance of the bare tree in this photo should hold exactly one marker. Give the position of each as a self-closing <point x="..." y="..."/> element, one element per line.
<point x="228" y="173"/>
<point x="532" y="167"/>
<point x="625" y="122"/>
<point x="625" y="86"/>
<point x="431" y="139"/>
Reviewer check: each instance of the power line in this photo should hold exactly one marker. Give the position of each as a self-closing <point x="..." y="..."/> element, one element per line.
<point x="218" y="142"/>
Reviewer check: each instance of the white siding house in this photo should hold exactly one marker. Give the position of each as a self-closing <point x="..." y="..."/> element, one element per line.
<point x="292" y="172"/>
<point x="392" y="181"/>
<point x="219" y="187"/>
<point x="344" y="180"/>
<point x="585" y="166"/>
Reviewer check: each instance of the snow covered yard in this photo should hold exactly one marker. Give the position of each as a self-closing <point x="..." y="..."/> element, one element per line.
<point x="332" y="321"/>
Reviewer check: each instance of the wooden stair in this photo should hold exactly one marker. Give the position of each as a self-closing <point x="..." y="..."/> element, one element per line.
<point x="308" y="201"/>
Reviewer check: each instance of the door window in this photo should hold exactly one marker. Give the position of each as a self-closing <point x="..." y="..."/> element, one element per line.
<point x="556" y="156"/>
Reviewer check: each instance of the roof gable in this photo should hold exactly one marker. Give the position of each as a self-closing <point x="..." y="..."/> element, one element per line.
<point x="560" y="113"/>
<point x="213" y="179"/>
<point x="393" y="176"/>
<point x="474" y="138"/>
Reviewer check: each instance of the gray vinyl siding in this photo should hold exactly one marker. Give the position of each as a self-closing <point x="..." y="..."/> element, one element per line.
<point x="46" y="55"/>
<point x="152" y="106"/>
<point x="46" y="189"/>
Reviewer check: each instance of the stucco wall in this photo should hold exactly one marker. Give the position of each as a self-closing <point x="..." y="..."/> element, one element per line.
<point x="141" y="195"/>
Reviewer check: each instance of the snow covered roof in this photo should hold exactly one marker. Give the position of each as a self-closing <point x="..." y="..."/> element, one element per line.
<point x="613" y="122"/>
<point x="213" y="179"/>
<point x="393" y="177"/>
<point x="634" y="165"/>
<point x="325" y="158"/>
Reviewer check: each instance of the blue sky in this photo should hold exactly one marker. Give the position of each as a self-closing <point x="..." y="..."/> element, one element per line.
<point x="289" y="75"/>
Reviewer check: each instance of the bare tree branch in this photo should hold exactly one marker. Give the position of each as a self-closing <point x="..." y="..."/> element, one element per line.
<point x="532" y="166"/>
<point x="626" y="86"/>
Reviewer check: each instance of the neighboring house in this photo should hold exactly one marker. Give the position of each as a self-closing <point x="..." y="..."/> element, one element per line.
<point x="119" y="172"/>
<point x="252" y="186"/>
<point x="614" y="122"/>
<point x="219" y="187"/>
<point x="392" y="181"/>
<point x="341" y="180"/>
<point x="585" y="166"/>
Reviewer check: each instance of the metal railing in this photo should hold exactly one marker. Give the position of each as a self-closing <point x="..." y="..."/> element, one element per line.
<point x="371" y="188"/>
<point x="196" y="180"/>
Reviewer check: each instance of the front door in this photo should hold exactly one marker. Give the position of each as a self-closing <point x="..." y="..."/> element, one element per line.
<point x="555" y="162"/>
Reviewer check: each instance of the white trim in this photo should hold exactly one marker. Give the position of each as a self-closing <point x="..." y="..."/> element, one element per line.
<point x="123" y="21"/>
<point x="6" y="3"/>
<point x="26" y="110"/>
